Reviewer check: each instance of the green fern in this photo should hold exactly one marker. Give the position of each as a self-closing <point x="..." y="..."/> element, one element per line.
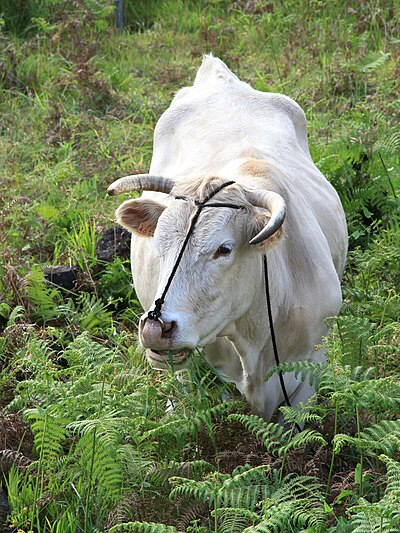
<point x="275" y="438"/>
<point x="384" y="515"/>
<point x="44" y="298"/>
<point x="86" y="352"/>
<point x="246" y="487"/>
<point x="94" y="315"/>
<point x="295" y="505"/>
<point x="205" y="417"/>
<point x="300" y="369"/>
<point x="272" y="435"/>
<point x="207" y="491"/>
<point x="235" y="520"/>
<point x="99" y="463"/>
<point x="50" y="433"/>
<point x="303" y="438"/>
<point x="373" y="61"/>
<point x="175" y="429"/>
<point x="383" y="394"/>
<point x="293" y="501"/>
<point x="381" y="437"/>
<point x="305" y="415"/>
<point x="18" y="313"/>
<point x="143" y="527"/>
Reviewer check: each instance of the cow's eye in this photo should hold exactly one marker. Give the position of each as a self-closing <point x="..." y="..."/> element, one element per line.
<point x="223" y="251"/>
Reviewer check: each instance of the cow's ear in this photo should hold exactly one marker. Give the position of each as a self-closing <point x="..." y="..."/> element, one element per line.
<point x="259" y="221"/>
<point x="139" y="216"/>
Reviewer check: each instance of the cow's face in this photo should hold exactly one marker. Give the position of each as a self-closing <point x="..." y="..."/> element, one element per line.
<point x="201" y="300"/>
<point x="217" y="278"/>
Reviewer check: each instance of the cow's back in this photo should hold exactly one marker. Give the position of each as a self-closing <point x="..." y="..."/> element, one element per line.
<point x="220" y="119"/>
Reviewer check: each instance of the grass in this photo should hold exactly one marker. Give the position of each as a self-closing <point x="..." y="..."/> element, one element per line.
<point x="90" y="442"/>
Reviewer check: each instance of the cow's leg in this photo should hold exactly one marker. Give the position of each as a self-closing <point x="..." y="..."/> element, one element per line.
<point x="266" y="397"/>
<point x="224" y="358"/>
<point x="270" y="396"/>
<point x="302" y="393"/>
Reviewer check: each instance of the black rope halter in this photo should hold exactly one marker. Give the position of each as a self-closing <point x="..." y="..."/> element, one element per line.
<point x="155" y="314"/>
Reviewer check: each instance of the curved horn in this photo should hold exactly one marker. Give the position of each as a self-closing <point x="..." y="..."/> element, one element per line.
<point x="276" y="206"/>
<point x="141" y="182"/>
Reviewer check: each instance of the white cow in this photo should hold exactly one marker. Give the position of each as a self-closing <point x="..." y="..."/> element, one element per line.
<point x="220" y="130"/>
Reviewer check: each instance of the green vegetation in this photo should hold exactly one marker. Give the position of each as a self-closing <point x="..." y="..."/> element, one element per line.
<point x="91" y="438"/>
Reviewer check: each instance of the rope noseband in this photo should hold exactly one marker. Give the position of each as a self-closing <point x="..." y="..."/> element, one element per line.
<point x="155" y="314"/>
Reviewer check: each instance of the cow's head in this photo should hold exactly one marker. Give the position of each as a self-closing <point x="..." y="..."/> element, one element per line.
<point x="220" y="272"/>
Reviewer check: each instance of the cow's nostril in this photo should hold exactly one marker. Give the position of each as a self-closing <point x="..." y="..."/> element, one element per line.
<point x="168" y="328"/>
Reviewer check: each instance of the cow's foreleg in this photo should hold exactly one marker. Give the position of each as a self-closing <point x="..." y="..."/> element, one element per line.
<point x="224" y="358"/>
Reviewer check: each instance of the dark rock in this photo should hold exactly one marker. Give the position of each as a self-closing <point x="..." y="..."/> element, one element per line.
<point x="114" y="242"/>
<point x="62" y="276"/>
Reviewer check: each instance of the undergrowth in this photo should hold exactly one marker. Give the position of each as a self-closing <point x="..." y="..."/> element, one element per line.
<point x="91" y="438"/>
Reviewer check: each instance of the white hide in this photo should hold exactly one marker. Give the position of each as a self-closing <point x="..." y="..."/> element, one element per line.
<point x="212" y="129"/>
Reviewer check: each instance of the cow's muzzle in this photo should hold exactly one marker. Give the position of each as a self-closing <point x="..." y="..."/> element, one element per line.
<point x="158" y="337"/>
<point x="157" y="334"/>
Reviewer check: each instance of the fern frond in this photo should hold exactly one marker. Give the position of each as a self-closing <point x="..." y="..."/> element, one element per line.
<point x="272" y="435"/>
<point x="383" y="436"/>
<point x="300" y="369"/>
<point x="384" y="515"/>
<point x="373" y="61"/>
<point x="101" y="465"/>
<point x="300" y="416"/>
<point x="393" y="473"/>
<point x="205" y="417"/>
<point x="18" y="313"/>
<point x="94" y="314"/>
<point x="49" y="431"/>
<point x="359" y="373"/>
<point x="235" y="520"/>
<point x="159" y="474"/>
<point x="198" y="468"/>
<point x="138" y="463"/>
<point x="42" y="296"/>
<point x="297" y="503"/>
<point x="341" y="440"/>
<point x="108" y="425"/>
<point x="246" y="487"/>
<point x="383" y="394"/>
<point x="84" y="351"/>
<point x="204" y="491"/>
<point x="303" y="438"/>
<point x="173" y="428"/>
<point x="389" y="143"/>
<point x="144" y="527"/>
<point x="299" y="487"/>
